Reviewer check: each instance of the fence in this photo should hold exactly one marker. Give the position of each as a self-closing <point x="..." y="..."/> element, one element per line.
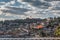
<point x="42" y="38"/>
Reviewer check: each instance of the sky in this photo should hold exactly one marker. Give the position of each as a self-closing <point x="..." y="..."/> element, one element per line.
<point x="21" y="9"/>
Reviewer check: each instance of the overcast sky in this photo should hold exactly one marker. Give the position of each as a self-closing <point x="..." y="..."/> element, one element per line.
<point x="21" y="9"/>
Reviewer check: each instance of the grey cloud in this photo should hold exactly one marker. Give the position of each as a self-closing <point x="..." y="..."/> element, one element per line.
<point x="44" y="7"/>
<point x="28" y="0"/>
<point x="5" y="0"/>
<point x="8" y="17"/>
<point x="56" y="8"/>
<point x="51" y="0"/>
<point x="18" y="9"/>
<point x="38" y="3"/>
<point x="2" y="3"/>
<point x="58" y="13"/>
<point x="13" y="10"/>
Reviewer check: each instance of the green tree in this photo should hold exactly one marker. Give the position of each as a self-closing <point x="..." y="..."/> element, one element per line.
<point x="57" y="31"/>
